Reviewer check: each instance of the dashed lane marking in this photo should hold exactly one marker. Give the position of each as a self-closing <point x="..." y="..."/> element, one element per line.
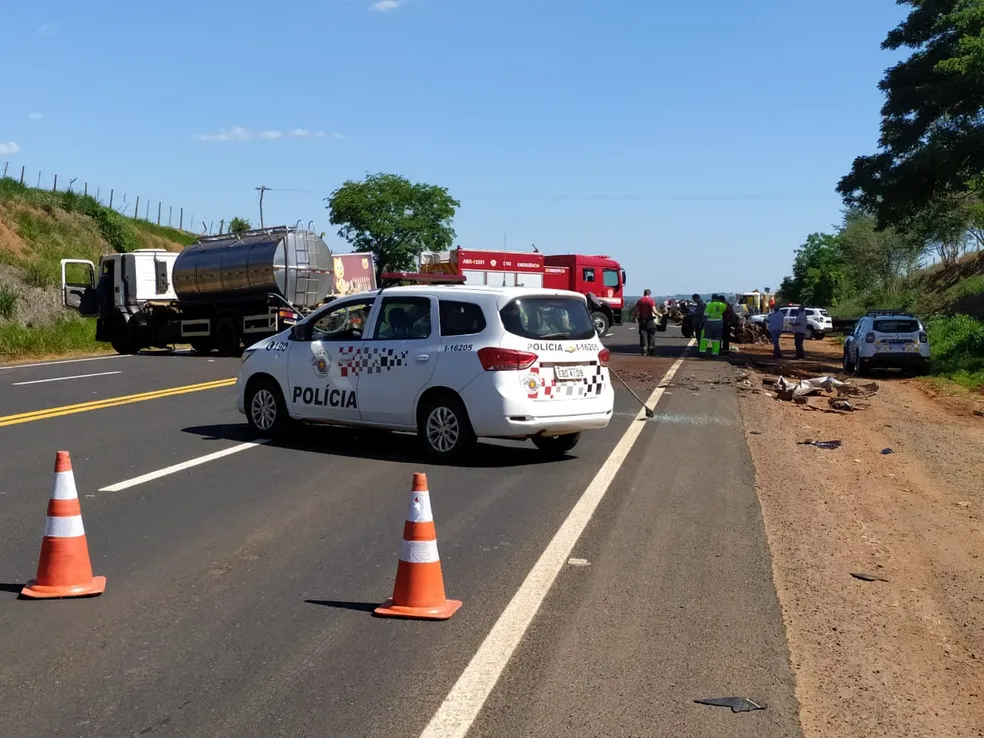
<point x="62" y="379"/>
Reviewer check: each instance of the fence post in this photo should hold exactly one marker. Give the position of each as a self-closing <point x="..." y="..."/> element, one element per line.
<point x="39" y="180"/>
<point x="147" y="214"/>
<point x="170" y="211"/>
<point x="136" y="208"/>
<point x="5" y="165"/>
<point x="158" y="213"/>
<point x="85" y="189"/>
<point x="181" y="219"/>
<point x="22" y="174"/>
<point x="111" y="198"/>
<point x="54" y="187"/>
<point x="222" y="226"/>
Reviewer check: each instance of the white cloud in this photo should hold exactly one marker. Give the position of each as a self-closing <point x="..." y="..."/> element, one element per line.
<point x="385" y="6"/>
<point x="8" y="148"/>
<point x="48" y="29"/>
<point x="35" y="116"/>
<point x="238" y="133"/>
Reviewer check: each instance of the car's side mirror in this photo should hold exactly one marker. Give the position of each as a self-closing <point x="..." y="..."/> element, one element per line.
<point x="299" y="332"/>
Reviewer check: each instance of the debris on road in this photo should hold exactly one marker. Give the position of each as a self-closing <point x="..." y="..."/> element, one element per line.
<point x="887" y="451"/>
<point x="737" y="704"/>
<point x="829" y="445"/>
<point x="867" y="577"/>
<point x="836" y="404"/>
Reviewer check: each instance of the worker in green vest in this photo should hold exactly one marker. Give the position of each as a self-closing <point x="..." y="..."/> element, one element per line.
<point x="713" y="325"/>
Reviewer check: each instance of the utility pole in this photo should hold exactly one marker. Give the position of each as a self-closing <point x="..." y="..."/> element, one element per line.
<point x="261" y="189"/>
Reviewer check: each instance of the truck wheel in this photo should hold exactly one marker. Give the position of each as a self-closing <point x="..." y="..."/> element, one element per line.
<point x="121" y="344"/>
<point x="556" y="446"/>
<point x="444" y="428"/>
<point x="601" y="323"/>
<point x="266" y="411"/>
<point x="226" y="336"/>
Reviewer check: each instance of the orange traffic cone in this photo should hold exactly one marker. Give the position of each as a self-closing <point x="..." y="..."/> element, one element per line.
<point x="64" y="569"/>
<point x="419" y="589"/>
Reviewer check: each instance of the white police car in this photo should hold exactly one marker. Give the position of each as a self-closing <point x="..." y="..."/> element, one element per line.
<point x="884" y="339"/>
<point x="451" y="362"/>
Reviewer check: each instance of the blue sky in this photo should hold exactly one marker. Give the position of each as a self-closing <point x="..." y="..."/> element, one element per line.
<point x="698" y="143"/>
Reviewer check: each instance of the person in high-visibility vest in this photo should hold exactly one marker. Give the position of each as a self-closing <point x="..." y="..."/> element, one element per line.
<point x="713" y="325"/>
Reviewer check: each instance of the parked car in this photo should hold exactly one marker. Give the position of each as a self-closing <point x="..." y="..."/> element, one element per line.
<point x="884" y="339"/>
<point x="818" y="320"/>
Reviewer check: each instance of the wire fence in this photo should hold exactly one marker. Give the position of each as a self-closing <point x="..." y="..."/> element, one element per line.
<point x="123" y="202"/>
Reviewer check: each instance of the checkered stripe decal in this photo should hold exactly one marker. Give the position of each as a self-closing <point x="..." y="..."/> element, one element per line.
<point x="355" y="360"/>
<point x="550" y="388"/>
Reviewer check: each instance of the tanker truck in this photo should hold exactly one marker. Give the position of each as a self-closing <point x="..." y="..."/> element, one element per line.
<point x="220" y="293"/>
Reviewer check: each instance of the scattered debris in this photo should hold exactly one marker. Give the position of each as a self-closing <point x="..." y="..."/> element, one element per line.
<point x="578" y="562"/>
<point x="836" y="404"/>
<point x="887" y="451"/>
<point x="829" y="445"/>
<point x="867" y="577"/>
<point x="737" y="704"/>
<point x="979" y="413"/>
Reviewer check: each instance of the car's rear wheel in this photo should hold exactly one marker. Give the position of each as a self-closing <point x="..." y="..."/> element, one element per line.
<point x="266" y="411"/>
<point x="849" y="366"/>
<point x="556" y="445"/>
<point x="444" y="427"/>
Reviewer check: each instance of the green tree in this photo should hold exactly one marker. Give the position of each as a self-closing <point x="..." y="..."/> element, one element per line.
<point x="393" y="218"/>
<point x="818" y="272"/>
<point x="932" y="132"/>
<point x="877" y="259"/>
<point x="239" y="225"/>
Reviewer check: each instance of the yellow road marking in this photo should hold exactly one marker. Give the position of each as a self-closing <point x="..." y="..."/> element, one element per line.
<point x="54" y="412"/>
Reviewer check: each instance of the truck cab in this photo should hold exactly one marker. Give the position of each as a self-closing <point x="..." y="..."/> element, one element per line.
<point x="599" y="275"/>
<point x="120" y="288"/>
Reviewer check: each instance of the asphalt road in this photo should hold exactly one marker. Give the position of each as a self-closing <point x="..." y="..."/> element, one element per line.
<point x="240" y="588"/>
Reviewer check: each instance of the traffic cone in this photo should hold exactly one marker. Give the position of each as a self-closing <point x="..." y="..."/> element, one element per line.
<point x="419" y="589"/>
<point x="64" y="569"/>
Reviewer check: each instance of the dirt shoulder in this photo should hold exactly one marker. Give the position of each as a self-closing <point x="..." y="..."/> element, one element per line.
<point x="902" y="657"/>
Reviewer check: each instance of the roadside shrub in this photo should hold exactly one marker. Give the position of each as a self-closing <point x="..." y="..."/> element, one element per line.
<point x="41" y="274"/>
<point x="957" y="343"/>
<point x="8" y="303"/>
<point x="65" y="335"/>
<point x="117" y="232"/>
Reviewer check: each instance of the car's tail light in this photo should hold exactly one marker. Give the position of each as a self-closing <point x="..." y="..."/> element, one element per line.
<point x="869" y="337"/>
<point x="604" y="356"/>
<point x="923" y="338"/>
<point x="504" y="360"/>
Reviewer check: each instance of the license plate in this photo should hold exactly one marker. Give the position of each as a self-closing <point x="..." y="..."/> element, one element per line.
<point x="569" y="372"/>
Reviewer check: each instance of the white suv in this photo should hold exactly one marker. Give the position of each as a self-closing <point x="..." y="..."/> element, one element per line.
<point x="452" y="363"/>
<point x="886" y="339"/>
<point x="818" y="321"/>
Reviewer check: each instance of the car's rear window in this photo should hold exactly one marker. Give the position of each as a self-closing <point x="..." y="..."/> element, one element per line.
<point x="560" y="318"/>
<point x="897" y="325"/>
<point x="461" y="318"/>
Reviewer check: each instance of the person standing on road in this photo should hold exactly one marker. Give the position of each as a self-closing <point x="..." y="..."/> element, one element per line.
<point x="697" y="317"/>
<point x="775" y="323"/>
<point x="713" y="325"/>
<point x="730" y="320"/>
<point x="799" y="331"/>
<point x="645" y="313"/>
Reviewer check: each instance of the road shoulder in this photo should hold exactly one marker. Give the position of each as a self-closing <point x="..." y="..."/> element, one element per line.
<point x="876" y="658"/>
<point x="668" y="597"/>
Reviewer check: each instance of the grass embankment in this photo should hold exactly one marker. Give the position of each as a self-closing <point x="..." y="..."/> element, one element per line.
<point x="38" y="229"/>
<point x="950" y="299"/>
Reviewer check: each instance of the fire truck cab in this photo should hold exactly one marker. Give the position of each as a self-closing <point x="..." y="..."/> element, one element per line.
<point x="599" y="277"/>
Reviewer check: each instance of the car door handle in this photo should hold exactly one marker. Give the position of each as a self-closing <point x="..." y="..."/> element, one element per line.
<point x="423" y="358"/>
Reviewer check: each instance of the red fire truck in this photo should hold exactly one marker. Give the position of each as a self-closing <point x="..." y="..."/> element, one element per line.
<point x="599" y="276"/>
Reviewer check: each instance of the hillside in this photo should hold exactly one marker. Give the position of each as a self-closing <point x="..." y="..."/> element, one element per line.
<point x="38" y="228"/>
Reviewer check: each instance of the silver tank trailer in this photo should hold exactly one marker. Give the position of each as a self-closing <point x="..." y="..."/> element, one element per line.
<point x="294" y="263"/>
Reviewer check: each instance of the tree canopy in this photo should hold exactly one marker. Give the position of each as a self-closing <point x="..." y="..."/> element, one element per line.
<point x="818" y="270"/>
<point x="931" y="148"/>
<point x="393" y="218"/>
<point x="239" y="225"/>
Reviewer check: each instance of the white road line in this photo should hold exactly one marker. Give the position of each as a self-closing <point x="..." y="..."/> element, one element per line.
<point x="456" y="714"/>
<point x="62" y="379"/>
<point x="173" y="469"/>
<point x="64" y="361"/>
